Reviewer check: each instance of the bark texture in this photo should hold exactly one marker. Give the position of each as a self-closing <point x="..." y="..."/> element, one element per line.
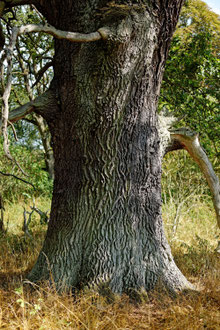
<point x="106" y="227"/>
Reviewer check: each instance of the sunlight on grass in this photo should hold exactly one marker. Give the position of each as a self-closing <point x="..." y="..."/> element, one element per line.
<point x="13" y="215"/>
<point x="25" y="306"/>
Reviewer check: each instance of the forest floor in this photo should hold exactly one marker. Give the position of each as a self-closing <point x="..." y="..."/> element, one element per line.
<point x="193" y="247"/>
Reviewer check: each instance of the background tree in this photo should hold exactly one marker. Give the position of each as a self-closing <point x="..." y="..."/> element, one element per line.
<point x="32" y="62"/>
<point x="191" y="87"/>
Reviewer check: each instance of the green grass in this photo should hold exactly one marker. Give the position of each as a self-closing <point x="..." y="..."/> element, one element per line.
<point x="13" y="215"/>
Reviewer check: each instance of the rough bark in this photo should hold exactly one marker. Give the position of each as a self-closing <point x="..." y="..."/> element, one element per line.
<point x="106" y="227"/>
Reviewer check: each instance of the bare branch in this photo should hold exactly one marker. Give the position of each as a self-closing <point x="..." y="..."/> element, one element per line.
<point x="41" y="72"/>
<point x="16" y="177"/>
<point x="5" y="98"/>
<point x="102" y="33"/>
<point x="25" y="72"/>
<point x="43" y="215"/>
<point x="189" y="141"/>
<point x="20" y="112"/>
<point x="6" y="94"/>
<point x="41" y="103"/>
<point x="27" y="222"/>
<point x="14" y="130"/>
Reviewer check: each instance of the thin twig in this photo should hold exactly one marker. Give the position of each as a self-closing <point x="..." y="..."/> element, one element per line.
<point x="16" y="177"/>
<point x="41" y="72"/>
<point x="13" y="129"/>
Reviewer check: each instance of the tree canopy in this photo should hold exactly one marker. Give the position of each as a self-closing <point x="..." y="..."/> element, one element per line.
<point x="191" y="84"/>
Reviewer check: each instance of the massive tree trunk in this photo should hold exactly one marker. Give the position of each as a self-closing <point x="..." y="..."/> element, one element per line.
<point x="106" y="226"/>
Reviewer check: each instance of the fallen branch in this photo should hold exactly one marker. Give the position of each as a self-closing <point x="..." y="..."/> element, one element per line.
<point x="43" y="215"/>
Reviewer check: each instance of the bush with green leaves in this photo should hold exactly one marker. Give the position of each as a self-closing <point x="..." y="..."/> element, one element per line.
<point x="191" y="85"/>
<point x="32" y="162"/>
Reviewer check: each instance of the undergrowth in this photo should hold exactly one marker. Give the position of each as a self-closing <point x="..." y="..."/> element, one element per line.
<point x="192" y="232"/>
<point x="28" y="306"/>
<point x="25" y="306"/>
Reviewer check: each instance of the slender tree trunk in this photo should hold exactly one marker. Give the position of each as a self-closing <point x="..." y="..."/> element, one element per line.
<point x="45" y="137"/>
<point x="1" y="215"/>
<point x="106" y="226"/>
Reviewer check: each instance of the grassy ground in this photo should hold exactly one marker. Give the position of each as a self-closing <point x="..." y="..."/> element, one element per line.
<point x="192" y="232"/>
<point x="193" y="247"/>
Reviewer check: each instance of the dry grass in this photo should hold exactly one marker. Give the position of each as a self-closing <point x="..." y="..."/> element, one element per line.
<point x="21" y="307"/>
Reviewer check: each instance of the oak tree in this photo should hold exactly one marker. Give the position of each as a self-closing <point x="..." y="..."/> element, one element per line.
<point x="106" y="227"/>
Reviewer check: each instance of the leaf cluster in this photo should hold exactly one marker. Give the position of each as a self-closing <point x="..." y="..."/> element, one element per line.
<point x="33" y="164"/>
<point x="191" y="85"/>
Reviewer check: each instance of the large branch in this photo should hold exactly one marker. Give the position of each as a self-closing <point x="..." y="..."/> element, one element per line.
<point x="39" y="105"/>
<point x="20" y="112"/>
<point x="189" y="140"/>
<point x="102" y="33"/>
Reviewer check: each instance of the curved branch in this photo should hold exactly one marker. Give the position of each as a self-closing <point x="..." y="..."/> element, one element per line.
<point x="20" y="112"/>
<point x="184" y="138"/>
<point x="16" y="177"/>
<point x="102" y="33"/>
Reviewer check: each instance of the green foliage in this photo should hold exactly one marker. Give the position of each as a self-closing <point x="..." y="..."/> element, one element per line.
<point x="197" y="16"/>
<point x="28" y="135"/>
<point x="32" y="161"/>
<point x="191" y="85"/>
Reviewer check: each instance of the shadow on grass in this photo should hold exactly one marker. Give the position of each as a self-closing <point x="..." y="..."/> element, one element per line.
<point x="18" y="254"/>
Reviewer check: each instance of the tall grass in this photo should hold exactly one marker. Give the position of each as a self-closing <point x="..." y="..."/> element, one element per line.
<point x="193" y="242"/>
